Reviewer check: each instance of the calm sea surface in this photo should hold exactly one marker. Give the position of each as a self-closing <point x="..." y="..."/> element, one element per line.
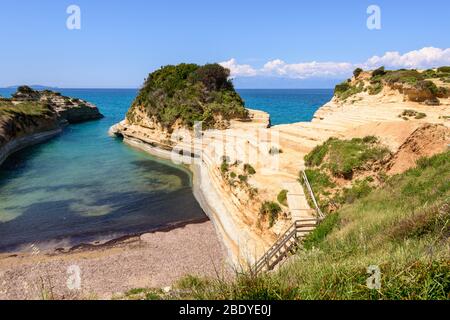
<point x="85" y="186"/>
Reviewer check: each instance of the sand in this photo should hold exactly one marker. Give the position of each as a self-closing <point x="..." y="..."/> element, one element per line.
<point x="150" y="260"/>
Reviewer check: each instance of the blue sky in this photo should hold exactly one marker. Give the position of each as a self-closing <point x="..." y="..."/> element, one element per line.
<point x="265" y="43"/>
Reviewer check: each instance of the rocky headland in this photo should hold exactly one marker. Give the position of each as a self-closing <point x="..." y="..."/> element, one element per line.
<point x="30" y="117"/>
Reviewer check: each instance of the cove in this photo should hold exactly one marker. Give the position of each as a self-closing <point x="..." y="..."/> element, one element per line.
<point x="83" y="186"/>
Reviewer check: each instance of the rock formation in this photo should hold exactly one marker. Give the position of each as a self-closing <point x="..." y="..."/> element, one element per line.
<point x="31" y="116"/>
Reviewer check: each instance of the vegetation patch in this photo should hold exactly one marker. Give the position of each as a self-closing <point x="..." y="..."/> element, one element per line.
<point x="191" y="93"/>
<point x="249" y="169"/>
<point x="345" y="156"/>
<point x="375" y="88"/>
<point x="282" y="197"/>
<point x="345" y="89"/>
<point x="408" y="113"/>
<point x="321" y="231"/>
<point x="26" y="108"/>
<point x="271" y="210"/>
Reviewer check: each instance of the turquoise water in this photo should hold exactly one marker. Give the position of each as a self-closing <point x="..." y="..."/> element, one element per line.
<point x="287" y="105"/>
<point x="85" y="186"/>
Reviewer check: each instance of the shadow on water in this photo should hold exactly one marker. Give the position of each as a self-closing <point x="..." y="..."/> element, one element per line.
<point x="84" y="186"/>
<point x="129" y="213"/>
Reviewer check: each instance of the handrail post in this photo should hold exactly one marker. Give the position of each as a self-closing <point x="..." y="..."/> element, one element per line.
<point x="308" y="186"/>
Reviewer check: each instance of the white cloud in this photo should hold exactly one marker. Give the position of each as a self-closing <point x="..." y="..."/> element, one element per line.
<point x="420" y="59"/>
<point x="307" y="70"/>
<point x="242" y="70"/>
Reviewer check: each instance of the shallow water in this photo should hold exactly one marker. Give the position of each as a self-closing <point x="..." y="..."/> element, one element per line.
<point x="85" y="186"/>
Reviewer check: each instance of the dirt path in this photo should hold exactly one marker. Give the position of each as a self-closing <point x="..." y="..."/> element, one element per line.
<point x="151" y="260"/>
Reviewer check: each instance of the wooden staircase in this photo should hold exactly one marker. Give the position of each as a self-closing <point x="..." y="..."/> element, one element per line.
<point x="285" y="245"/>
<point x="290" y="240"/>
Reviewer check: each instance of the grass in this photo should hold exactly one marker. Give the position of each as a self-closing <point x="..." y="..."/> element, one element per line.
<point x="32" y="109"/>
<point x="345" y="90"/>
<point x="403" y="228"/>
<point x="322" y="230"/>
<point x="282" y="197"/>
<point x="342" y="157"/>
<point x="375" y="88"/>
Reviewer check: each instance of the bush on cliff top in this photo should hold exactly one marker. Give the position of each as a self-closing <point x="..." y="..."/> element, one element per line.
<point x="191" y="93"/>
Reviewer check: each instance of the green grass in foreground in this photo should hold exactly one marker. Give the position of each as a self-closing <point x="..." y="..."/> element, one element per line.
<point x="403" y="228"/>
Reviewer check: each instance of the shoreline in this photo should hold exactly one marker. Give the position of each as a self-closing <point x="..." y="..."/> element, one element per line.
<point x="99" y="244"/>
<point x="18" y="144"/>
<point x="151" y="260"/>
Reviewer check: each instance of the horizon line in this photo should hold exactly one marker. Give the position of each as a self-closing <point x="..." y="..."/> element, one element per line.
<point x="129" y="88"/>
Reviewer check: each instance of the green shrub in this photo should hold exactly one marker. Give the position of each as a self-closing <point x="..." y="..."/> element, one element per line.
<point x="224" y="167"/>
<point x="445" y="69"/>
<point x="249" y="169"/>
<point x="357" y="72"/>
<point x="378" y="72"/>
<point x="242" y="178"/>
<point x="427" y="85"/>
<point x="403" y="76"/>
<point x="346" y="90"/>
<point x="270" y="209"/>
<point x="370" y="139"/>
<point x="282" y="197"/>
<point x="316" y="156"/>
<point x="420" y="115"/>
<point x="342" y="87"/>
<point x="412" y="113"/>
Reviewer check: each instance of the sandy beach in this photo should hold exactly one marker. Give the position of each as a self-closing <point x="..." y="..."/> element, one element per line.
<point x="151" y="260"/>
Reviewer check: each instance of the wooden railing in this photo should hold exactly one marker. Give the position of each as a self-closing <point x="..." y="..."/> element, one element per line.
<point x="319" y="212"/>
<point x="284" y="245"/>
<point x="287" y="243"/>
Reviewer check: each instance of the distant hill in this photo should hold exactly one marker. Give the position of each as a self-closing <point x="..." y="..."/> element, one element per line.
<point x="35" y="87"/>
